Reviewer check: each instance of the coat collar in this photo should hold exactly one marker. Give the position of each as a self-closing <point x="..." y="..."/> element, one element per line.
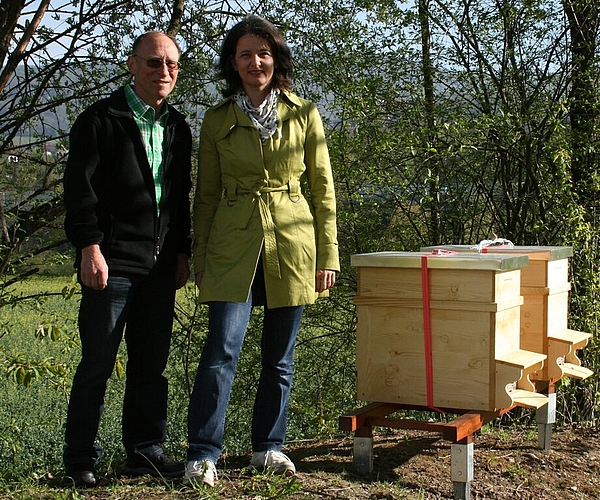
<point x="234" y="116"/>
<point x="287" y="105"/>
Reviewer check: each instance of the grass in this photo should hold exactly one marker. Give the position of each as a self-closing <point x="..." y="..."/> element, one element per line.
<point x="39" y="352"/>
<point x="41" y="336"/>
<point x="42" y="340"/>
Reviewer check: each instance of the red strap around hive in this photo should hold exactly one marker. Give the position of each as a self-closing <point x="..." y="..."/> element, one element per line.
<point x="487" y="249"/>
<point x="437" y="252"/>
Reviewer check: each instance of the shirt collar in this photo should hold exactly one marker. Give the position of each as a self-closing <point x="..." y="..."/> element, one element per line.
<point x="142" y="110"/>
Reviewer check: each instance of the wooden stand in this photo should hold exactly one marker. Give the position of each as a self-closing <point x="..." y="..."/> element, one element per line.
<point x="459" y="431"/>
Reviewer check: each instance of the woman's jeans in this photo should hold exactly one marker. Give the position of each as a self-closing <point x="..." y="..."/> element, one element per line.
<point x="228" y="322"/>
<point x="143" y="306"/>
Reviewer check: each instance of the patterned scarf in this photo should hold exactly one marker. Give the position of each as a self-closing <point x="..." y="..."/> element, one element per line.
<point x="264" y="118"/>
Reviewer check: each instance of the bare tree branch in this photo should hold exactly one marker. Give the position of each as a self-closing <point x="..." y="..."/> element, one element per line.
<point x="16" y="56"/>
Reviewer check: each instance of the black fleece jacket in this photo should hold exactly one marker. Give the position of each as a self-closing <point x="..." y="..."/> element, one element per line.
<point x="109" y="190"/>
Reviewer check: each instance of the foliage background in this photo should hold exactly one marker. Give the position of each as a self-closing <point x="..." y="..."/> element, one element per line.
<point x="448" y="122"/>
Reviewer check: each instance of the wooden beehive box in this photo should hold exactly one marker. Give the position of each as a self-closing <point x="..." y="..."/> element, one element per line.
<point x="545" y="289"/>
<point x="471" y="359"/>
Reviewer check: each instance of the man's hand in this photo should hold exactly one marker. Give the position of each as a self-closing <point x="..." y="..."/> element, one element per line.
<point x="183" y="270"/>
<point x="94" y="270"/>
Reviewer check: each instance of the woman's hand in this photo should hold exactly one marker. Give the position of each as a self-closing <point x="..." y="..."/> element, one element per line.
<point x="198" y="279"/>
<point x="325" y="280"/>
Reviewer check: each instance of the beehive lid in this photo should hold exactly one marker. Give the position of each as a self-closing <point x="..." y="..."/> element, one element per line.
<point x="548" y="253"/>
<point x="459" y="260"/>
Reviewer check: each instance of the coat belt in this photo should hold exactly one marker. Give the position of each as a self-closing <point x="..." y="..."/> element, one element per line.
<point x="270" y="240"/>
<point x="271" y="254"/>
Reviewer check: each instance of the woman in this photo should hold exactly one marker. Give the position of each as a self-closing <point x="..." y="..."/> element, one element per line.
<point x="259" y="240"/>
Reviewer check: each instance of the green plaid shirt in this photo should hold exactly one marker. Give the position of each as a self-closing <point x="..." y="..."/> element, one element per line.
<point x="152" y="129"/>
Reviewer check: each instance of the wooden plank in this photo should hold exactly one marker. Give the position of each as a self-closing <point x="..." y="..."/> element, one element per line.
<point x="556" y="309"/>
<point x="453" y="261"/>
<point x="551" y="274"/>
<point x="466" y="425"/>
<point x="437" y="305"/>
<point x="357" y="418"/>
<point x="377" y="415"/>
<point x="463" y="427"/>
<point x="546" y="253"/>
<point x="528" y="399"/>
<point x="406" y="424"/>
<point x="573" y="337"/>
<point x="390" y="355"/>
<point x="445" y="285"/>
<point x="575" y="371"/>
<point x="544" y="290"/>
<point x="521" y="358"/>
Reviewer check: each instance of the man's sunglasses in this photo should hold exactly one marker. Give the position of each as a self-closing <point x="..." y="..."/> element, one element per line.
<point x="157" y="62"/>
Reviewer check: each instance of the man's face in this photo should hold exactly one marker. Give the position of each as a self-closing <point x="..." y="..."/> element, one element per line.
<point x="154" y="84"/>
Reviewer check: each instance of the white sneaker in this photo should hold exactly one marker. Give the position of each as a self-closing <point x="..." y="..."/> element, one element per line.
<point x="198" y="472"/>
<point x="278" y="462"/>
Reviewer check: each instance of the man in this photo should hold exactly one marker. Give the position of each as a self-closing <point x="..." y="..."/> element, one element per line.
<point x="127" y="184"/>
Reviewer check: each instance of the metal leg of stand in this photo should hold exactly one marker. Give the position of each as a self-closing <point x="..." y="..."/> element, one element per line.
<point x="545" y="417"/>
<point x="363" y="450"/>
<point x="363" y="454"/>
<point x="462" y="469"/>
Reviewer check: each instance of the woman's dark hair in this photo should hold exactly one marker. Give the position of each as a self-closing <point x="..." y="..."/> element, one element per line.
<point x="255" y="25"/>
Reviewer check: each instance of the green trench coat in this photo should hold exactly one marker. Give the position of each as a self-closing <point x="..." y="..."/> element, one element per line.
<point x="277" y="195"/>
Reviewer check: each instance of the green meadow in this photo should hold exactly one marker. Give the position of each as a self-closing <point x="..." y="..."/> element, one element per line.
<point x="39" y="352"/>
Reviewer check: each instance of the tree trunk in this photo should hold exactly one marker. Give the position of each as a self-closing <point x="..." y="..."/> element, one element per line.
<point x="431" y="161"/>
<point x="583" y="97"/>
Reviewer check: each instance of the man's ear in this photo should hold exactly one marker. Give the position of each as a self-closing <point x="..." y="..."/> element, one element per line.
<point x="130" y="62"/>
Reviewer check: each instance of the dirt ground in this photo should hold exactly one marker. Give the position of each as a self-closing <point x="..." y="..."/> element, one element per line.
<point x="507" y="465"/>
<point x="408" y="464"/>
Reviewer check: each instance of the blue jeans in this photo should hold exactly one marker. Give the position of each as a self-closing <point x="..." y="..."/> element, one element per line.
<point x="228" y="322"/>
<point x="143" y="306"/>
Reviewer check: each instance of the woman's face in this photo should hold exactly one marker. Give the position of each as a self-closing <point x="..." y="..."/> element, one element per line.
<point x="254" y="62"/>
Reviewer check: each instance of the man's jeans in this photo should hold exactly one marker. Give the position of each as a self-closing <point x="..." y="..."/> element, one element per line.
<point x="144" y="305"/>
<point x="227" y="328"/>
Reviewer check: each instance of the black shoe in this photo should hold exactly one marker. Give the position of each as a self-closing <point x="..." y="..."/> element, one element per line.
<point x="80" y="477"/>
<point x="155" y="465"/>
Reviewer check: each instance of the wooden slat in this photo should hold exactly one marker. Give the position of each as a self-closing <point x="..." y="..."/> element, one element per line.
<point x="569" y="336"/>
<point x="528" y="399"/>
<point x="467" y="424"/>
<point x="521" y="358"/>
<point x="356" y="419"/>
<point x="375" y="415"/>
<point x="534" y="252"/>
<point x="575" y="371"/>
<point x="454" y="261"/>
<point x="436" y="304"/>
